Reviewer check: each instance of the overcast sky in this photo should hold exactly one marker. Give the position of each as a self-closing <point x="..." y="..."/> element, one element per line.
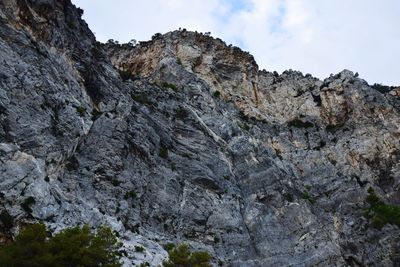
<point x="314" y="36"/>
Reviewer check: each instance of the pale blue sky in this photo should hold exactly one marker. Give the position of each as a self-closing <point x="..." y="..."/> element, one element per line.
<point x="314" y="36"/>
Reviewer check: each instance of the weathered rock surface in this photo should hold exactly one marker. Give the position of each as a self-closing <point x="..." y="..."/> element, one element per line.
<point x="272" y="170"/>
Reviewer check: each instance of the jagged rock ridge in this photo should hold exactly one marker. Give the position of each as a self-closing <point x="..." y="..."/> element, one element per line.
<point x="272" y="170"/>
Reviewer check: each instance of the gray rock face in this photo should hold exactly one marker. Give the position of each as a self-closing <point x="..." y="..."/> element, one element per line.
<point x="272" y="170"/>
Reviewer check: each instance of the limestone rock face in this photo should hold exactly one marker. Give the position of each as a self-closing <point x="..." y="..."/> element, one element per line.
<point x="184" y="139"/>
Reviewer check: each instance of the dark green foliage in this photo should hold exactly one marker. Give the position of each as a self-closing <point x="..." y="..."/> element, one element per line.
<point x="382" y="88"/>
<point x="305" y="195"/>
<point x="139" y="249"/>
<point x="245" y="126"/>
<point x="300" y="124"/>
<point x="71" y="247"/>
<point x="289" y="197"/>
<point x="126" y="75"/>
<point x="144" y="264"/>
<point x="96" y="52"/>
<point x="179" y="61"/>
<point x="380" y="213"/>
<point x="181" y="113"/>
<point x="216" y="239"/>
<point x="6" y="220"/>
<point x="163" y="152"/>
<point x="28" y="249"/>
<point x="243" y="116"/>
<point x="72" y="164"/>
<point x="220" y="263"/>
<point x="26" y="205"/>
<point x="71" y="24"/>
<point x="142" y="99"/>
<point x="332" y="128"/>
<point x="170" y="85"/>
<point x="322" y="144"/>
<point x="130" y="194"/>
<point x="81" y="110"/>
<point x="80" y="11"/>
<point x="169" y="246"/>
<point x="217" y="94"/>
<point x="156" y="36"/>
<point x="182" y="257"/>
<point x="47" y="179"/>
<point x="173" y="166"/>
<point x="115" y="182"/>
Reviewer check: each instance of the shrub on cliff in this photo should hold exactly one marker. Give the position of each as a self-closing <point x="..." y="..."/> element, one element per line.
<point x="182" y="257"/>
<point x="71" y="247"/>
<point x="379" y="212"/>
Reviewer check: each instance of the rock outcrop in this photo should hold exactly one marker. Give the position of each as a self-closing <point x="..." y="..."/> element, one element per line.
<point x="184" y="139"/>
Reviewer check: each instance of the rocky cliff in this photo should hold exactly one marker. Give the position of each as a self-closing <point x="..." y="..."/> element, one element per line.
<point x="184" y="139"/>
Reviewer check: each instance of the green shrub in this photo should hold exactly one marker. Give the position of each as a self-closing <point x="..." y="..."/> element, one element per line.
<point x="173" y="166"/>
<point x="26" y="204"/>
<point x="96" y="52"/>
<point x="125" y="75"/>
<point x="72" y="163"/>
<point x="244" y="126"/>
<point x="139" y="249"/>
<point x="142" y="99"/>
<point x="382" y="88"/>
<point x="300" y="124"/>
<point x="288" y="196"/>
<point x="182" y="257"/>
<point x="163" y="152"/>
<point x="217" y="94"/>
<point x="115" y="182"/>
<point x="332" y="128"/>
<point x="71" y="24"/>
<point x="156" y="36"/>
<point x="305" y="195"/>
<point x="71" y="247"/>
<point x="169" y="246"/>
<point x="243" y="116"/>
<point x="131" y="194"/>
<point x="181" y="113"/>
<point x="170" y="85"/>
<point x="6" y="220"/>
<point x="380" y="213"/>
<point x="81" y="110"/>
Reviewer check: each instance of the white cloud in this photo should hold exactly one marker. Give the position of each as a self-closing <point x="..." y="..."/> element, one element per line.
<point x="314" y="36"/>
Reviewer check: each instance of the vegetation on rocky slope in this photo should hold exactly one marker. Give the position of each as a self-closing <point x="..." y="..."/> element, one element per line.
<point x="183" y="257"/>
<point x="77" y="246"/>
<point x="379" y="212"/>
<point x="81" y="247"/>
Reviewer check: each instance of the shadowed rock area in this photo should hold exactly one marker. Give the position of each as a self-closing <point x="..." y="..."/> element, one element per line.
<point x="183" y="139"/>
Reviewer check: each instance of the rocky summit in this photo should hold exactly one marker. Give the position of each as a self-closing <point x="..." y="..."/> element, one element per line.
<point x="182" y="139"/>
